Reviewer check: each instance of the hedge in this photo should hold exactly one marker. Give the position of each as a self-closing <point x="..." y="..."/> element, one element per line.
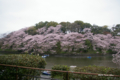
<point x="98" y="70"/>
<point x="86" y="69"/>
<point x="59" y="74"/>
<point x="8" y="73"/>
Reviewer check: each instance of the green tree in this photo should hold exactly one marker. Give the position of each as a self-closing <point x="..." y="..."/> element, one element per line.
<point x="31" y="31"/>
<point x="94" y="29"/>
<point x="105" y="29"/>
<point x="52" y="23"/>
<point x="58" y="48"/>
<point x="81" y="23"/>
<point x="65" y="26"/>
<point x="74" y="27"/>
<point x="105" y="26"/>
<point x="117" y="26"/>
<point x="87" y="25"/>
<point x="100" y="30"/>
<point x="88" y="43"/>
<point x="63" y="29"/>
<point x="41" y="24"/>
<point x="117" y="29"/>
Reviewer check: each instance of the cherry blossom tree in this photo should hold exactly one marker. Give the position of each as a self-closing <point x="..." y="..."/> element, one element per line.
<point x="116" y="47"/>
<point x="47" y="39"/>
<point x="116" y="58"/>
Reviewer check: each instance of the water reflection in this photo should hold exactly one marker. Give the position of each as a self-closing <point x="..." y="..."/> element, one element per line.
<point x="82" y="61"/>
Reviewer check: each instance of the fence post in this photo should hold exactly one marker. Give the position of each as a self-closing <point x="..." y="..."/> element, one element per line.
<point x="67" y="76"/>
<point x="16" y="73"/>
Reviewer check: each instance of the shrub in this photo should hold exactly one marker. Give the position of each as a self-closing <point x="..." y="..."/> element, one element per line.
<point x="20" y="60"/>
<point x="95" y="69"/>
<point x="59" y="74"/>
<point x="23" y="60"/>
<point x="86" y="69"/>
<point x="98" y="69"/>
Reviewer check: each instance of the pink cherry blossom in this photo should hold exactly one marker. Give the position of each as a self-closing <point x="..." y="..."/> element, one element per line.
<point x="47" y="38"/>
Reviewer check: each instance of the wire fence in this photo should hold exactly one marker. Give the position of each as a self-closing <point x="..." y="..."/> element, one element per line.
<point x="14" y="73"/>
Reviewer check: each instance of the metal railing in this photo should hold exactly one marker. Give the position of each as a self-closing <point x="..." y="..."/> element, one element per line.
<point x="68" y="75"/>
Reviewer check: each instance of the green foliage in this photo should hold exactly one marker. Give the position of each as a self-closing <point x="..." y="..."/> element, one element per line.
<point x="59" y="67"/>
<point x="20" y="60"/>
<point x="112" y="45"/>
<point x="99" y="50"/>
<point x="76" y="26"/>
<point x="63" y="29"/>
<point x="117" y="27"/>
<point x="100" y="30"/>
<point x="47" y="52"/>
<point x="52" y="23"/>
<point x="86" y="69"/>
<point x="64" y="52"/>
<point x="78" y="22"/>
<point x="87" y="25"/>
<point x="95" y="69"/>
<point x="0" y="49"/>
<point x="23" y="60"/>
<point x="58" y="48"/>
<point x="116" y="30"/>
<point x="110" y="51"/>
<point x="31" y="31"/>
<point x="64" y="24"/>
<point x="98" y="69"/>
<point x="89" y="45"/>
<point x="105" y="26"/>
<point x="88" y="42"/>
<point x="41" y="24"/>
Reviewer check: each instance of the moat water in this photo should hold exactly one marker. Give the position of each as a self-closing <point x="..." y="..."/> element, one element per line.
<point x="80" y="61"/>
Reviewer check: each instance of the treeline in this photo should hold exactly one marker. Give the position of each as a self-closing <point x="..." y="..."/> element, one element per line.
<point x="32" y="30"/>
<point x="76" y="26"/>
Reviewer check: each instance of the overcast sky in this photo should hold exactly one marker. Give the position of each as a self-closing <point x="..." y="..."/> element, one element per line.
<point x="17" y="14"/>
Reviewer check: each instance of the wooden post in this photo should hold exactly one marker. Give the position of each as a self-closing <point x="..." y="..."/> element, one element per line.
<point x="16" y="73"/>
<point x="67" y="76"/>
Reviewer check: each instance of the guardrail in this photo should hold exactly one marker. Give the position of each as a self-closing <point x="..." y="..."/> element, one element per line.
<point x="67" y="75"/>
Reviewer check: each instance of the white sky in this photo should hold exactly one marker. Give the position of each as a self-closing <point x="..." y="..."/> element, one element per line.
<point x="17" y="14"/>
